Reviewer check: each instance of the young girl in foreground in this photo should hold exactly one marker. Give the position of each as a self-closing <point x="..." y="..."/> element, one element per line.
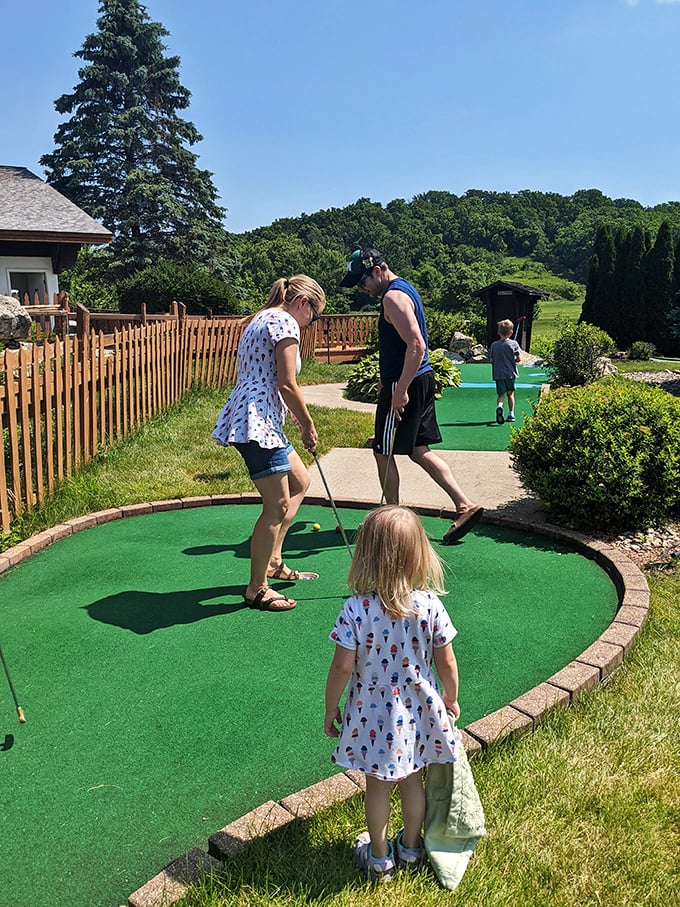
<point x="395" y="720"/>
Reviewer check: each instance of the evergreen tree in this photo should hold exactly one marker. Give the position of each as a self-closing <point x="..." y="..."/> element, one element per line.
<point x="124" y="154"/>
<point x="588" y="312"/>
<point x="631" y="317"/>
<point x="660" y="268"/>
<point x="605" y="303"/>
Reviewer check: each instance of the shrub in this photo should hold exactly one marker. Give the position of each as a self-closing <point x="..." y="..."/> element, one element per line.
<point x="642" y="350"/>
<point x="574" y="356"/>
<point x="158" y="285"/>
<point x="363" y="382"/>
<point x="441" y="326"/>
<point x="605" y="456"/>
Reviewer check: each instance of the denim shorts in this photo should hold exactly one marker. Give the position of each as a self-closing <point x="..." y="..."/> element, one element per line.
<point x="264" y="461"/>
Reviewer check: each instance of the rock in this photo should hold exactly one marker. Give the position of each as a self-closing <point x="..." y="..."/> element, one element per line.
<point x="460" y="342"/>
<point x="15" y="322"/>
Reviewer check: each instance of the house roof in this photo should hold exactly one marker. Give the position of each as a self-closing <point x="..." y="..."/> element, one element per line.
<point x="32" y="211"/>
<point x="510" y="285"/>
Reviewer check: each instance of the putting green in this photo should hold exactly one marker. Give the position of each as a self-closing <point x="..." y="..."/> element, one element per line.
<point x="467" y="414"/>
<point x="159" y="708"/>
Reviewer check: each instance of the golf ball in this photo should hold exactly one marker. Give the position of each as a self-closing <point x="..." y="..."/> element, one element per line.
<point x="316" y="527"/>
<point x="338" y="529"/>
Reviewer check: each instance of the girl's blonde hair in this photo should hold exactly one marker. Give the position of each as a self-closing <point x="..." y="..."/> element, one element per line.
<point x="287" y="289"/>
<point x="393" y="556"/>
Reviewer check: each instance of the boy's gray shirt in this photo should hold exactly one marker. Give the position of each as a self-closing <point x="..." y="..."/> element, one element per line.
<point x="502" y="354"/>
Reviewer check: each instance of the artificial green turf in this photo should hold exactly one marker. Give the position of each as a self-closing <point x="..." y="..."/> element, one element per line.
<point x="159" y="709"/>
<point x="467" y="414"/>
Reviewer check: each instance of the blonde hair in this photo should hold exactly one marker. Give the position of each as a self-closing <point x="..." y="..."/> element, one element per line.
<point x="286" y="290"/>
<point x="505" y="327"/>
<point x="393" y="556"/>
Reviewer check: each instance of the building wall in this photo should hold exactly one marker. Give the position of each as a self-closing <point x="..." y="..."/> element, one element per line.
<point x="24" y="273"/>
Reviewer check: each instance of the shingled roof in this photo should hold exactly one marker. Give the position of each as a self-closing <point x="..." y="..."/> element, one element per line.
<point x="32" y="211"/>
<point x="512" y="285"/>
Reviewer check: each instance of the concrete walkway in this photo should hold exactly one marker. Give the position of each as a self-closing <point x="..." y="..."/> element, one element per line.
<point x="487" y="477"/>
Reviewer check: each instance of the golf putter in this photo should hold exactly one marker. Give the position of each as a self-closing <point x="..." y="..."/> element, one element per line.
<point x="332" y="502"/>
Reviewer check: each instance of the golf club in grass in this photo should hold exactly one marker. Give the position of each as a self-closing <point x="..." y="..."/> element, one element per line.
<point x="20" y="711"/>
<point x="332" y="502"/>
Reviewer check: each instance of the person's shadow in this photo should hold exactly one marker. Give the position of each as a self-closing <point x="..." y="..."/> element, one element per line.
<point x="144" y="612"/>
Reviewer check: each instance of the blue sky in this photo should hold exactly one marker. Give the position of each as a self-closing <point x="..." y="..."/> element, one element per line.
<point x="313" y="104"/>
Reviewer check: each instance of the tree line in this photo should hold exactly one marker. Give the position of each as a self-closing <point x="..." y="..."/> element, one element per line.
<point x="124" y="154"/>
<point x="632" y="287"/>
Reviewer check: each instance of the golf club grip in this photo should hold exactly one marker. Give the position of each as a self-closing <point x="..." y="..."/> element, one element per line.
<point x="20" y="713"/>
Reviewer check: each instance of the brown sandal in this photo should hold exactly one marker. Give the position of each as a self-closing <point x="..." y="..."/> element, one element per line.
<point x="292" y="576"/>
<point x="275" y="603"/>
<point x="463" y="524"/>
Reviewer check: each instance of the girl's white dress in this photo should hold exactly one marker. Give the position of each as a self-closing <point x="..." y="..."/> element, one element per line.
<point x="395" y="721"/>
<point x="255" y="410"/>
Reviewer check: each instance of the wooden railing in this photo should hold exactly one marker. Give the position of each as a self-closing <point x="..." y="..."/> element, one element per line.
<point x="48" y="317"/>
<point x="344" y="337"/>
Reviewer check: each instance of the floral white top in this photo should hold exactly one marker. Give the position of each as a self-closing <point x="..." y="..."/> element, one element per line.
<point x="255" y="410"/>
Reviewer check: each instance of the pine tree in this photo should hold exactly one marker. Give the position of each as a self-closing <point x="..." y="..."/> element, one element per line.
<point x="605" y="301"/>
<point x="588" y="312"/>
<point x="631" y="322"/>
<point x="660" y="268"/>
<point x="124" y="154"/>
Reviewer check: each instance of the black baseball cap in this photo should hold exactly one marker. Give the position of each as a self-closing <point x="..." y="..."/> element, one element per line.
<point x="359" y="262"/>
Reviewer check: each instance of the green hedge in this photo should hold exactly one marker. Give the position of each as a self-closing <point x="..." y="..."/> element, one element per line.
<point x="605" y="456"/>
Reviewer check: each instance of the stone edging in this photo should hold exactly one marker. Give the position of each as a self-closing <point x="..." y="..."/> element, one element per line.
<point x="590" y="668"/>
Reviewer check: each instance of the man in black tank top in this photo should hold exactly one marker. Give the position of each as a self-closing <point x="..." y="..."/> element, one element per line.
<point x="405" y="419"/>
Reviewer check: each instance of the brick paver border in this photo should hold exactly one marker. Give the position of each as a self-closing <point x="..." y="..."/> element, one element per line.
<point x="590" y="668"/>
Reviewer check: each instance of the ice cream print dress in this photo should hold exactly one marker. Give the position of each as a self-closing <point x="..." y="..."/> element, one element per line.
<point x="255" y="410"/>
<point x="395" y="721"/>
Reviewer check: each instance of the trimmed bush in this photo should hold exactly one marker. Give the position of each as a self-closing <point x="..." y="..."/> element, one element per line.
<point x="363" y="382"/>
<point x="158" y="285"/>
<point x="641" y="350"/>
<point x="605" y="456"/>
<point x="573" y="359"/>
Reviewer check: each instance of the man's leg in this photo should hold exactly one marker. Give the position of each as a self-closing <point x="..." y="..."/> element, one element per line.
<point x="389" y="477"/>
<point x="440" y="471"/>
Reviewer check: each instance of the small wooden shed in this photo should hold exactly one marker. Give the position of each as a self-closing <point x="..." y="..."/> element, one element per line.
<point x="516" y="301"/>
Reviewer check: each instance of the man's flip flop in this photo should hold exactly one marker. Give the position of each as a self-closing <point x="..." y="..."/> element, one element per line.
<point x="463" y="524"/>
<point x="275" y="603"/>
<point x="291" y="576"/>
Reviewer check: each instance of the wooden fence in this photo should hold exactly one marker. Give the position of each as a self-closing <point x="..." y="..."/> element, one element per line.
<point x="62" y="401"/>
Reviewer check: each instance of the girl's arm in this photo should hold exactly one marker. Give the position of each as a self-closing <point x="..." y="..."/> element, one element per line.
<point x="447" y="668"/>
<point x="286" y="364"/>
<point x="339" y="674"/>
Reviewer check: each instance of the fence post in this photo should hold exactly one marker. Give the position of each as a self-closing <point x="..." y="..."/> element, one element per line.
<point x="82" y="321"/>
<point x="143" y="313"/>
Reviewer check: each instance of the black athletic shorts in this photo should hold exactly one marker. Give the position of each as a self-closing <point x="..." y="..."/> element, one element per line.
<point x="418" y="426"/>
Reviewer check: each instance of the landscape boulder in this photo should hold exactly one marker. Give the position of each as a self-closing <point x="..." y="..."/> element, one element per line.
<point x="15" y="322"/>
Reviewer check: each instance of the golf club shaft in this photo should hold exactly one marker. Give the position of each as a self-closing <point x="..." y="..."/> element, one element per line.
<point x="20" y="711"/>
<point x="331" y="501"/>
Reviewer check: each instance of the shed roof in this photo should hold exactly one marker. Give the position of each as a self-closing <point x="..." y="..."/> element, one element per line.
<point x="511" y="285"/>
<point x="32" y="211"/>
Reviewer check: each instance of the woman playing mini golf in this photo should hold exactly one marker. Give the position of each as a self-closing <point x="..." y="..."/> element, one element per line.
<point x="252" y="421"/>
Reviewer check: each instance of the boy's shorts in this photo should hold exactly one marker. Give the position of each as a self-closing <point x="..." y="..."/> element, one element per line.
<point x="418" y="426"/>
<point x="264" y="461"/>
<point x="505" y="385"/>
